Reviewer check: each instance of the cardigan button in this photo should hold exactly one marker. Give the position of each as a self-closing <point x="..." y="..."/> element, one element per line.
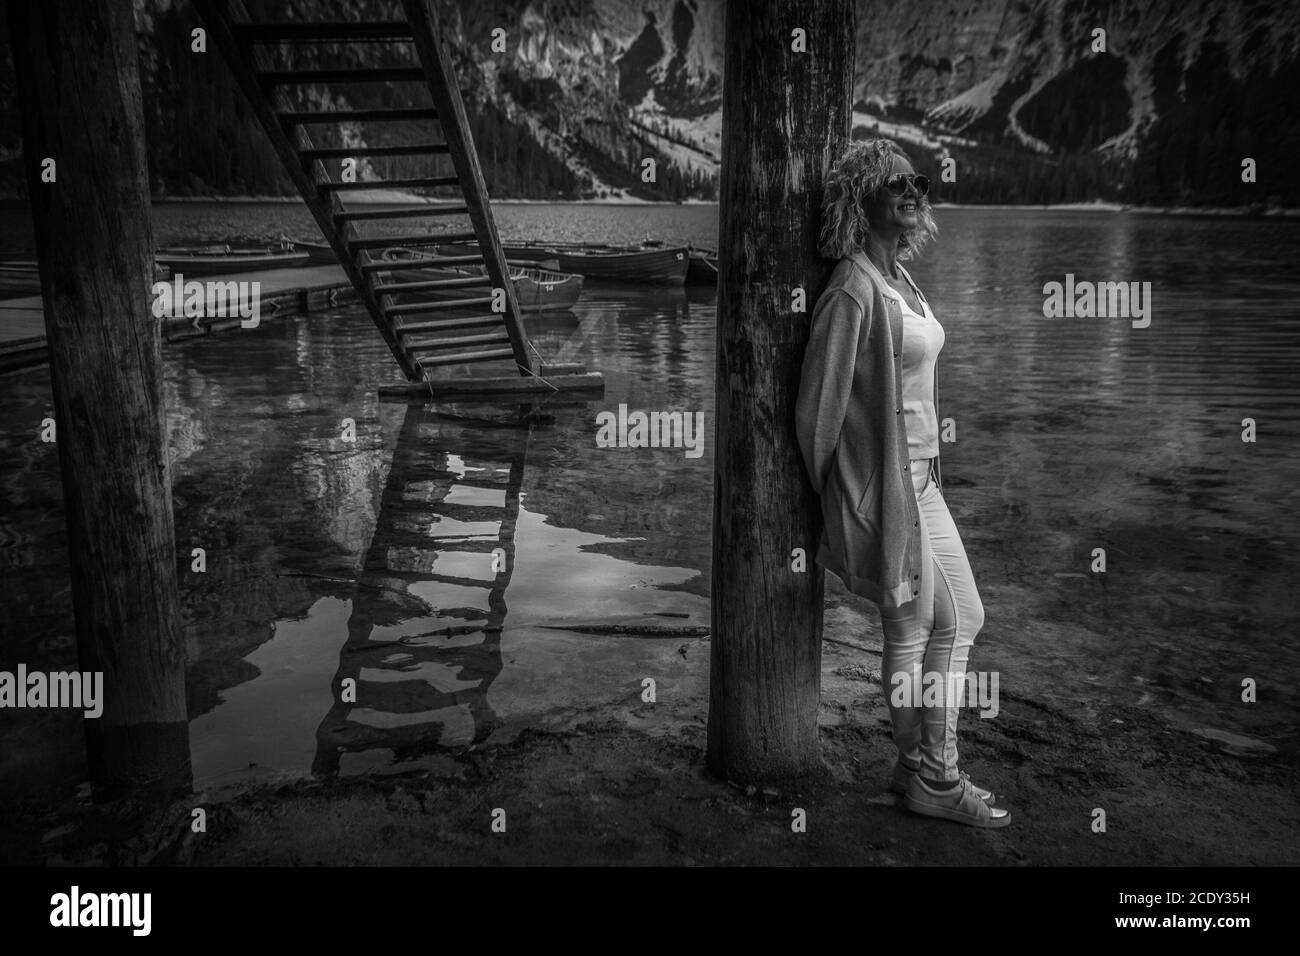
<point x="898" y="411"/>
<point x="904" y="468"/>
<point x="916" y="524"/>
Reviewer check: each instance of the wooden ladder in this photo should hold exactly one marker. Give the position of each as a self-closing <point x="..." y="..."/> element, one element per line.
<point x="424" y="335"/>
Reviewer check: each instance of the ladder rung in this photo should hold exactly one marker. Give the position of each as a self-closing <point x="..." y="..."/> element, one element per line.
<point x="464" y="357"/>
<point x="365" y="116"/>
<point x="385" y="242"/>
<point x="390" y="265"/>
<point x="346" y="152"/>
<point x="406" y="212"/>
<point x="397" y="288"/>
<point x="446" y="305"/>
<point x="305" y="32"/>
<point x="373" y="75"/>
<point x="433" y="345"/>
<point x="441" y="325"/>
<point x="425" y="182"/>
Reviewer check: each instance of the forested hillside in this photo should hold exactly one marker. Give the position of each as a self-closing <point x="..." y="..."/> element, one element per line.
<point x="585" y="90"/>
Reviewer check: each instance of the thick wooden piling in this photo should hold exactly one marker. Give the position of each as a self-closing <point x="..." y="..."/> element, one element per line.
<point x="786" y="116"/>
<point x="79" y="89"/>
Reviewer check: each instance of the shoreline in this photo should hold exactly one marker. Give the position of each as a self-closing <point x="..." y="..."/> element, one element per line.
<point x="611" y="779"/>
<point x="1237" y="212"/>
<point x="399" y="198"/>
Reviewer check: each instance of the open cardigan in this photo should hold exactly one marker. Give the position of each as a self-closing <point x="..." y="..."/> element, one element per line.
<point x="849" y="420"/>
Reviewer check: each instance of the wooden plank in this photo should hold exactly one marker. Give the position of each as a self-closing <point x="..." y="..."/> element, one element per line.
<point x="418" y="182"/>
<point x="465" y="358"/>
<point x="442" y="305"/>
<point x="360" y="116"/>
<point x="385" y="74"/>
<point x="592" y="382"/>
<point x="422" y="211"/>
<point x="563" y="368"/>
<point x="455" y="341"/>
<point x="433" y="345"/>
<point x="443" y="325"/>
<point x="346" y="32"/>
<point x="322" y="204"/>
<point x="426" y="31"/>
<point x="397" y="288"/>
<point x="386" y="242"/>
<point x="442" y="262"/>
<point x="347" y="152"/>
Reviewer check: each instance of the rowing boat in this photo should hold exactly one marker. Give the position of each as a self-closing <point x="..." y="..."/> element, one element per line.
<point x="648" y="263"/>
<point x="223" y="259"/>
<point x="536" y="289"/>
<point x="321" y="253"/>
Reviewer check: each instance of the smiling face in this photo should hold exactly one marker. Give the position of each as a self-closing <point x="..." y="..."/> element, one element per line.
<point x="889" y="216"/>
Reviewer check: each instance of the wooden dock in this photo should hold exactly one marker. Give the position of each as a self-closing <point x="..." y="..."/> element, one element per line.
<point x="284" y="292"/>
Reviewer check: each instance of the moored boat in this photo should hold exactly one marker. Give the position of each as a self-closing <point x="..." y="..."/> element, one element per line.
<point x="222" y="259"/>
<point x="537" y="289"/>
<point x="647" y="263"/>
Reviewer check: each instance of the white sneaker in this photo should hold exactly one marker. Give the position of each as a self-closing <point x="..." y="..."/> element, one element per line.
<point x="960" y="804"/>
<point x="903" y="774"/>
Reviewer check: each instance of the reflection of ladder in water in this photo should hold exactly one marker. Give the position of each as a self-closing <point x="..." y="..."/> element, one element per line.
<point x="428" y="582"/>
<point x="421" y="335"/>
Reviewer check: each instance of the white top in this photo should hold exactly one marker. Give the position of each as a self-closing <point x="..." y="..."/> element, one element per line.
<point x="923" y="337"/>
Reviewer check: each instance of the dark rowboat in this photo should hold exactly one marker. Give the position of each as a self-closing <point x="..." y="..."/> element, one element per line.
<point x="660" y="265"/>
<point x="223" y="259"/>
<point x="536" y="289"/>
<point x="321" y="253"/>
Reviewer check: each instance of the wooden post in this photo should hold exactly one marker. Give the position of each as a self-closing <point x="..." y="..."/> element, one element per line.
<point x="785" y="118"/>
<point x="79" y="88"/>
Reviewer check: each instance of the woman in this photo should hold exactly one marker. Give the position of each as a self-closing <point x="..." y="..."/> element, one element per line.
<point x="869" y="435"/>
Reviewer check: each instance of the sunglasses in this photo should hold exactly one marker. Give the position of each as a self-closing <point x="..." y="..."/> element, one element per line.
<point x="897" y="185"/>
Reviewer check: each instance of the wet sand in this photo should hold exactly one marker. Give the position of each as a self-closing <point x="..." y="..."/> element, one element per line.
<point x="609" y="779"/>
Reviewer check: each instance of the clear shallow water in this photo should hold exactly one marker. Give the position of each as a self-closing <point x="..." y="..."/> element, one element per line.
<point x="1072" y="434"/>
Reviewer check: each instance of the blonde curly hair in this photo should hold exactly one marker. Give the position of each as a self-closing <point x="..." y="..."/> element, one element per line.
<point x="851" y="183"/>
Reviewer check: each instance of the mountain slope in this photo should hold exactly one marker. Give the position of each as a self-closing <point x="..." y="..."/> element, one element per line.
<point x="587" y="90"/>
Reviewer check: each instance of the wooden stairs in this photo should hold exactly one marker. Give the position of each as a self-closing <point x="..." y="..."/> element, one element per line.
<point x="277" y="63"/>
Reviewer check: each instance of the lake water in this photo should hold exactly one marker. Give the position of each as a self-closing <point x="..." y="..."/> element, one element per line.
<point x="1072" y="434"/>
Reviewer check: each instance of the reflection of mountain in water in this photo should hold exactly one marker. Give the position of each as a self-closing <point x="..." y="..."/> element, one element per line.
<point x="425" y="631"/>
